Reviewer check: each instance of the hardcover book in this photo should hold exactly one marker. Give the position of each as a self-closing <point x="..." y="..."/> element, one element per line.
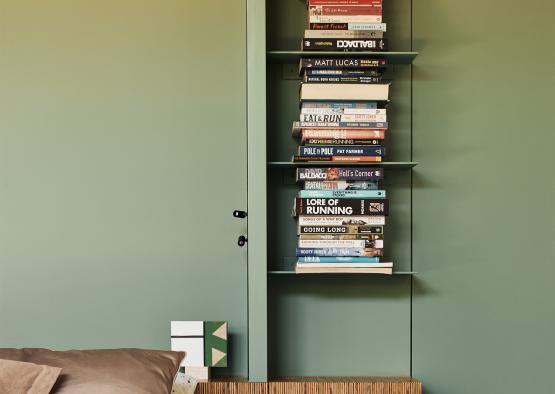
<point x="343" y="73"/>
<point x="344" y="159"/>
<point x="317" y="142"/>
<point x="342" y="193"/>
<point x="338" y="260"/>
<point x="344" y="44"/>
<point x="340" y="185"/>
<point x="342" y="63"/>
<point x="340" y="229"/>
<point x="343" y="34"/>
<point x="354" y="134"/>
<point x="350" y="10"/>
<point x="348" y="26"/>
<point x="370" y="247"/>
<point x="339" y="105"/>
<point x="341" y="220"/>
<point x="341" y="206"/>
<point x="336" y="252"/>
<point x="342" y="118"/>
<point x="340" y="174"/>
<point x="341" y="79"/>
<point x="341" y="151"/>
<point x="338" y="91"/>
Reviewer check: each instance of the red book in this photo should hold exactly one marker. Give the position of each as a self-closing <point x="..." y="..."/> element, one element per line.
<point x="345" y="2"/>
<point x="345" y="134"/>
<point x="358" y="10"/>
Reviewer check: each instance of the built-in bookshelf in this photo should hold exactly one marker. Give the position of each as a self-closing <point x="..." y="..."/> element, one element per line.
<point x="335" y="324"/>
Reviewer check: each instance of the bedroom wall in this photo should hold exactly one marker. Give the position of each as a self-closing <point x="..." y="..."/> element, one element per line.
<point x="484" y="216"/>
<point x="112" y="221"/>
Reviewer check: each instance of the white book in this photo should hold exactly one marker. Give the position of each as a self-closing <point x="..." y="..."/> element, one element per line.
<point x="348" y="91"/>
<point x="346" y="265"/>
<point x="365" y="111"/>
<point x="343" y="34"/>
<point x="344" y="111"/>
<point x="342" y="118"/>
<point x="345" y="19"/>
<point x="332" y="243"/>
<point x="342" y="270"/>
<point x="341" y="220"/>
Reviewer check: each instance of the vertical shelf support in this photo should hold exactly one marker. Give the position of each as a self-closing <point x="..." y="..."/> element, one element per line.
<point x="257" y="234"/>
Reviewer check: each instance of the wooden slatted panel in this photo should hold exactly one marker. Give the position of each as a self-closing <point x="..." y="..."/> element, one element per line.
<point x="315" y="385"/>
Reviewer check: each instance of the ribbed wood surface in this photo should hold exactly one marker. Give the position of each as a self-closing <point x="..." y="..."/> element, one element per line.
<point x="315" y="386"/>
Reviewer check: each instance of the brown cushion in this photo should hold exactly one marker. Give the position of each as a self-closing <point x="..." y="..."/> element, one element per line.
<point x="121" y="371"/>
<point x="26" y="378"/>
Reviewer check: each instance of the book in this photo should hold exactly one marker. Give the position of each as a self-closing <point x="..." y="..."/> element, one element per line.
<point x="338" y="238"/>
<point x="352" y="26"/>
<point x="337" y="91"/>
<point x="371" y="129"/>
<point x="317" y="142"/>
<point x="342" y="118"/>
<point x="339" y="105"/>
<point x="339" y="230"/>
<point x="341" y="206"/>
<point x="302" y="269"/>
<point x="331" y="133"/>
<point x="370" y="247"/>
<point x="340" y="174"/>
<point x="343" y="34"/>
<point x="343" y="2"/>
<point x="344" y="44"/>
<point x="338" y="260"/>
<point x="336" y="252"/>
<point x="341" y="220"/>
<point x="340" y="185"/>
<point x="342" y="193"/>
<point x="344" y="19"/>
<point x="340" y="79"/>
<point x="343" y="111"/>
<point x="371" y="72"/>
<point x="347" y="10"/>
<point x="330" y="150"/>
<point x="344" y="159"/>
<point x="342" y="63"/>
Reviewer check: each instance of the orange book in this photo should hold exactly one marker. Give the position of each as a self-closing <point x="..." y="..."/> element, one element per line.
<point x="343" y="134"/>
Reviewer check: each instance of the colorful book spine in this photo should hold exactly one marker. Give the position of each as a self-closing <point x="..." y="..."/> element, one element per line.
<point x="349" y="26"/>
<point x="342" y="118"/>
<point x="340" y="174"/>
<point x="340" y="230"/>
<point x="334" y="252"/>
<point x="344" y="2"/>
<point x="316" y="259"/>
<point x="342" y="194"/>
<point x="340" y="185"/>
<point x="342" y="159"/>
<point x="341" y="151"/>
<point x="343" y="34"/>
<point x="370" y="247"/>
<point x="339" y="105"/>
<point x="341" y="206"/>
<point x="347" y="10"/>
<point x="317" y="142"/>
<point x="340" y="237"/>
<point x="350" y="134"/>
<point x="341" y="63"/>
<point x="341" y="125"/>
<point x="341" y="220"/>
<point x="341" y="79"/>
<point x="343" y="73"/>
<point x="344" y="44"/>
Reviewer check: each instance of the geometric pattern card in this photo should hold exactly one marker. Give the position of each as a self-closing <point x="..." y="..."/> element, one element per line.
<point x="215" y="344"/>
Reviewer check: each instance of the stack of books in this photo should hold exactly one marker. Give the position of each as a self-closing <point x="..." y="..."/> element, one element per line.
<point x="341" y="215"/>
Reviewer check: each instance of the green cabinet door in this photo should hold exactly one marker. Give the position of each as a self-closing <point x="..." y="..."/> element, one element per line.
<point x="122" y="157"/>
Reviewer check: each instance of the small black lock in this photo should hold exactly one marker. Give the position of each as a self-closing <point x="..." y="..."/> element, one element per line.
<point x="242" y="240"/>
<point x="239" y="214"/>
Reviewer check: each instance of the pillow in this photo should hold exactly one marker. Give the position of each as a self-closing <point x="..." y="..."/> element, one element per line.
<point x="26" y="378"/>
<point x="121" y="371"/>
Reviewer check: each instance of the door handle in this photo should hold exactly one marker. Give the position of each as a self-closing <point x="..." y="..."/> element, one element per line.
<point x="242" y="240"/>
<point x="240" y="214"/>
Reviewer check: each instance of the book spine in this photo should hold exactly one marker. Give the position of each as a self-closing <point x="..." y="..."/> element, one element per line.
<point x="345" y="10"/>
<point x="341" y="206"/>
<point x="342" y="125"/>
<point x="342" y="63"/>
<point x="346" y="44"/>
<point x="344" y="19"/>
<point x="341" y="151"/>
<point x="342" y="118"/>
<point x="341" y="220"/>
<point x="378" y="134"/>
<point x="338" y="105"/>
<point x="344" y="73"/>
<point x="340" y="237"/>
<point x="341" y="79"/>
<point x="363" y="111"/>
<point x="340" y="230"/>
<point x="340" y="185"/>
<point x="343" y="111"/>
<point x="344" y="159"/>
<point x="344" y="2"/>
<point x="343" y="34"/>
<point x="349" y="26"/>
<point x="340" y="174"/>
<point x="336" y="252"/>
<point x="372" y="247"/>
<point x="342" y="193"/>
<point x="317" y="142"/>
<point x="317" y="259"/>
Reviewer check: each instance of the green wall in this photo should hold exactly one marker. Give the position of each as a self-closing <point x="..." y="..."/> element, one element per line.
<point x="484" y="236"/>
<point x="112" y="219"/>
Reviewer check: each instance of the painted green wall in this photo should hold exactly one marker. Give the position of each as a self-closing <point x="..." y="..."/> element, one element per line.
<point x="484" y="236"/>
<point x="112" y="220"/>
